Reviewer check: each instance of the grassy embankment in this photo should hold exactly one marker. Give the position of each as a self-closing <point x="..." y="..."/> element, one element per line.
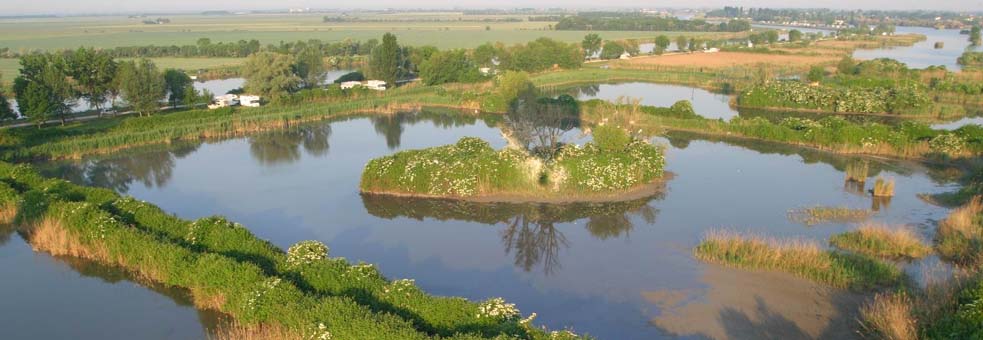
<point x="882" y="241"/>
<point x="301" y="293"/>
<point x="610" y="168"/>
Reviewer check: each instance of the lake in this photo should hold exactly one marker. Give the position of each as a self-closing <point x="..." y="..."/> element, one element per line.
<point x="613" y="270"/>
<point x="705" y="103"/>
<point x="924" y="54"/>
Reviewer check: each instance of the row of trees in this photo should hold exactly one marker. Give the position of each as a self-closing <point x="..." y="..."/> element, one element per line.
<point x="629" y="22"/>
<point x="204" y="47"/>
<point x="437" y="67"/>
<point x="50" y="85"/>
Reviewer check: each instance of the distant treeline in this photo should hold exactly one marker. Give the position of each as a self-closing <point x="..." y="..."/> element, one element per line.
<point x="852" y="17"/>
<point x="240" y="49"/>
<point x="414" y="19"/>
<point x="638" y="22"/>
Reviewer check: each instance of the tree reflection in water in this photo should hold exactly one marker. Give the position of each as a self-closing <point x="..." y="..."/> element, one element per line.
<point x="283" y="147"/>
<point x="529" y="231"/>
<point x="152" y="167"/>
<point x="392" y="126"/>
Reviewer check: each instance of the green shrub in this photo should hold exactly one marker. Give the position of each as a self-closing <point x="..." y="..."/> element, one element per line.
<point x="610" y="138"/>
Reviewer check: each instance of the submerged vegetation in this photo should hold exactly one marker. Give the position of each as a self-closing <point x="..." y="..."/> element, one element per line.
<point x="820" y="215"/>
<point x="883" y="187"/>
<point x="882" y="241"/>
<point x="613" y="163"/>
<point x="302" y="292"/>
<point x="799" y="258"/>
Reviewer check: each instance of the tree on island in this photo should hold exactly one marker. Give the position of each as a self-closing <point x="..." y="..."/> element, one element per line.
<point x="270" y="75"/>
<point x="142" y="85"/>
<point x="591" y="44"/>
<point x="384" y="62"/>
<point x="975" y="37"/>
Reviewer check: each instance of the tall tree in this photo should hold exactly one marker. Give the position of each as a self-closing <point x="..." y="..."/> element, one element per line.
<point x="5" y="111"/>
<point x="310" y="66"/>
<point x="591" y="44"/>
<point x="270" y="75"/>
<point x="975" y="37"/>
<point x="177" y="83"/>
<point x="681" y="43"/>
<point x="93" y="72"/>
<point x="794" y="35"/>
<point x="143" y="86"/>
<point x="661" y="44"/>
<point x="452" y="66"/>
<point x="43" y="89"/>
<point x="486" y="54"/>
<point x="612" y="50"/>
<point x="384" y="62"/>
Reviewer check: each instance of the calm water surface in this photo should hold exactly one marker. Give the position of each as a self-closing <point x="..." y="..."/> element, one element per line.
<point x="924" y="54"/>
<point x="616" y="271"/>
<point x="705" y="103"/>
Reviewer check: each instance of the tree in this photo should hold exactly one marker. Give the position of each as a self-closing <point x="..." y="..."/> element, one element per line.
<point x="93" y="72"/>
<point x="5" y="111"/>
<point x="384" y="62"/>
<point x="449" y="67"/>
<point x="612" y="50"/>
<point x="511" y="84"/>
<point x="794" y="35"/>
<point x="142" y="86"/>
<point x="310" y="66"/>
<point x="177" y="83"/>
<point x="486" y="54"/>
<point x="661" y="44"/>
<point x="846" y="65"/>
<point x="975" y="37"/>
<point x="816" y="74"/>
<point x="270" y="75"/>
<point x="43" y="89"/>
<point x="591" y="44"/>
<point x="420" y="54"/>
<point x="695" y="45"/>
<point x="771" y="36"/>
<point x="681" y="43"/>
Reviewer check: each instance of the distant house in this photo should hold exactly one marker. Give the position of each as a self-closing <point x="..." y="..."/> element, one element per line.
<point x="711" y="50"/>
<point x="625" y="56"/>
<point x="485" y="71"/>
<point x="224" y="101"/>
<point x="377" y="85"/>
<point x="249" y="101"/>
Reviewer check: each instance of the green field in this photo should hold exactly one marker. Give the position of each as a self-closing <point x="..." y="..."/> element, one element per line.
<point x="444" y="30"/>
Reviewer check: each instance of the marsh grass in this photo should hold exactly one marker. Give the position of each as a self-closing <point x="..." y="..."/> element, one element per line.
<point x="883" y="187"/>
<point x="889" y="316"/>
<point x="820" y="215"/>
<point x="857" y="171"/>
<point x="239" y="331"/>
<point x="943" y="309"/>
<point x="959" y="237"/>
<point x="882" y="241"/>
<point x="800" y="258"/>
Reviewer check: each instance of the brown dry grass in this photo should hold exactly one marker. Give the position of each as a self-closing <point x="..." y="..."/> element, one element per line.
<point x="237" y="331"/>
<point x="725" y="59"/>
<point x="889" y="316"/>
<point x="882" y="241"/>
<point x="8" y="212"/>
<point x="50" y="236"/>
<point x="963" y="219"/>
<point x="884" y="187"/>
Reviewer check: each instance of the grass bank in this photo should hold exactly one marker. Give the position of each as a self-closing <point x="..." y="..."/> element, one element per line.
<point x="301" y="292"/>
<point x="882" y="241"/>
<point x="800" y="258"/>
<point x="612" y="167"/>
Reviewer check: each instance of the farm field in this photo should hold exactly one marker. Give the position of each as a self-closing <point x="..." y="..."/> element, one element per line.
<point x="443" y="31"/>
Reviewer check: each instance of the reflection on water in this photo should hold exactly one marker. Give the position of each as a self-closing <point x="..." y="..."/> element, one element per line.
<point x="705" y="103"/>
<point x="528" y="231"/>
<point x="585" y="266"/>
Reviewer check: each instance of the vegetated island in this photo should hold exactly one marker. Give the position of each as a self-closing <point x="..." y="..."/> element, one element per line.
<point x="613" y="167"/>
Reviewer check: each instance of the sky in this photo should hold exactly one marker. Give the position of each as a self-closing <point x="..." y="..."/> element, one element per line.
<point x="14" y="7"/>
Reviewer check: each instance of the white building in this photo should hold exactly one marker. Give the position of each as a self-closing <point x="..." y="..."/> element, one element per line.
<point x="350" y="84"/>
<point x="249" y="100"/>
<point x="625" y="56"/>
<point x="224" y="101"/>
<point x="377" y="85"/>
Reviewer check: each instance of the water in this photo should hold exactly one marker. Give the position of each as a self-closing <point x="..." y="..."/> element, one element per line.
<point x="616" y="270"/>
<point x="924" y="54"/>
<point x="705" y="103"/>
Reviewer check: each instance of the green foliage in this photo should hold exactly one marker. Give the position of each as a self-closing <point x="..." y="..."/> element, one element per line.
<point x="794" y="35"/>
<point x="591" y="44"/>
<point x="511" y="84"/>
<point x="901" y="99"/>
<point x="94" y="73"/>
<point x="964" y="321"/>
<point x="384" y="62"/>
<point x="620" y="21"/>
<point x="452" y="66"/>
<point x="351" y="76"/>
<point x="816" y="74"/>
<point x="142" y="85"/>
<point x="542" y="54"/>
<point x="270" y="75"/>
<point x="847" y="65"/>
<point x="610" y="138"/>
<point x="43" y="89"/>
<point x="975" y="38"/>
<point x="661" y="44"/>
<point x="310" y="66"/>
<point x="612" y="50"/>
<point x="177" y="84"/>
<point x="971" y="60"/>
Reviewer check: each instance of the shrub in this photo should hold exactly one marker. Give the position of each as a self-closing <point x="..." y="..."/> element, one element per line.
<point x="306" y="252"/>
<point x="610" y="138"/>
<point x="948" y="144"/>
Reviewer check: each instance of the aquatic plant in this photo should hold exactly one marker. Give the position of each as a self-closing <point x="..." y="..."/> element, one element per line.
<point x="883" y="187"/>
<point x="857" y="171"/>
<point x="881" y="241"/>
<point x="819" y="215"/>
<point x="801" y="258"/>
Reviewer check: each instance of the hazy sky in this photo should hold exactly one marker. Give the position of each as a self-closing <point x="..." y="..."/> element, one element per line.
<point x="11" y="7"/>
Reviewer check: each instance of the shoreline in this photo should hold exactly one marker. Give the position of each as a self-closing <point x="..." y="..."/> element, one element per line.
<point x="650" y="189"/>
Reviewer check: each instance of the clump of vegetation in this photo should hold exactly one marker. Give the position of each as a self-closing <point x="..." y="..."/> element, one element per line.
<point x="971" y="60"/>
<point x="857" y="172"/>
<point x="819" y="215"/>
<point x="613" y="162"/>
<point x="300" y="293"/>
<point x="800" y="258"/>
<point x="883" y="187"/>
<point x="902" y="98"/>
<point x="882" y="241"/>
<point x="942" y="310"/>
<point x="959" y="237"/>
<point x="889" y="316"/>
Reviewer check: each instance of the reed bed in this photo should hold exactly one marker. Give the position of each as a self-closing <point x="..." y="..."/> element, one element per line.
<point x="883" y="187"/>
<point x="959" y="237"/>
<point x="800" y="258"/>
<point x="820" y="215"/>
<point x="882" y="241"/>
<point x="858" y="171"/>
